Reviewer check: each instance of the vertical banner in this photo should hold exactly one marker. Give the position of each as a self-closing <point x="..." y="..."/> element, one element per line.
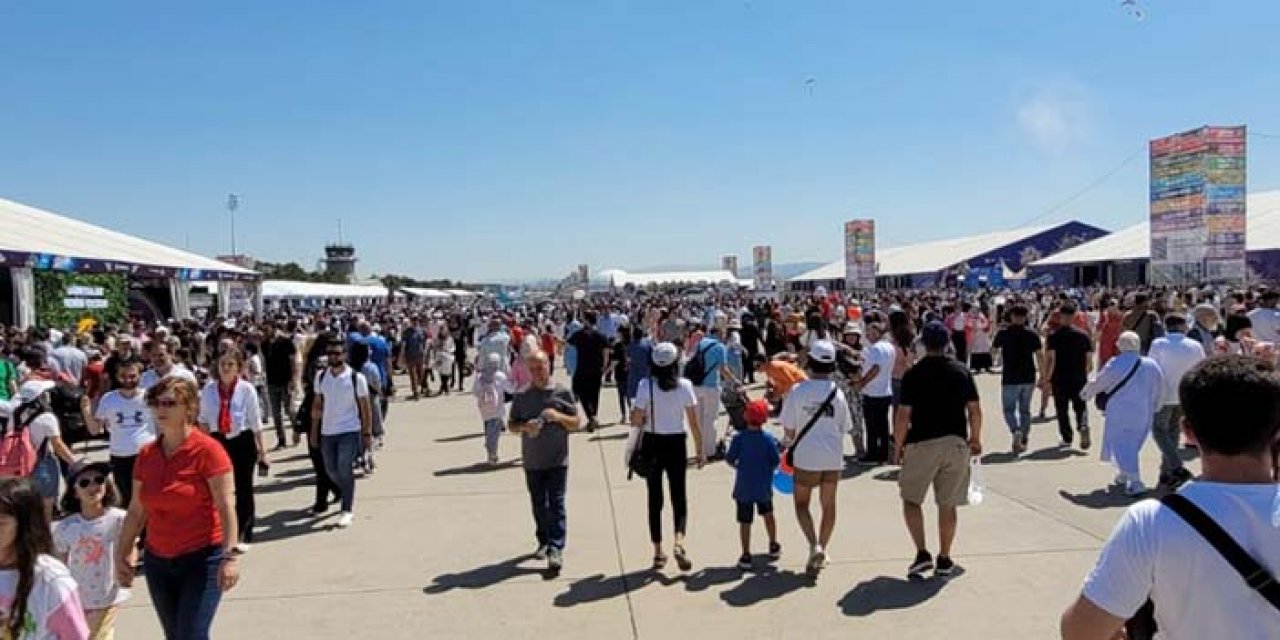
<point x="730" y="264"/>
<point x="1198" y="217"/>
<point x="583" y="274"/>
<point x="860" y="255"/>
<point x="762" y="267"/>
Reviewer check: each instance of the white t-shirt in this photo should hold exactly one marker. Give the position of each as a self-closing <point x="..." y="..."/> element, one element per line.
<point x="668" y="415"/>
<point x="822" y="449"/>
<point x="53" y="608"/>
<point x="881" y="353"/>
<point x="43" y="427"/>
<point x="128" y="420"/>
<point x="246" y="412"/>
<point x="1266" y="324"/>
<point x="150" y="377"/>
<point x="341" y="413"/>
<point x="1175" y="354"/>
<point x="89" y="546"/>
<point x="1153" y="553"/>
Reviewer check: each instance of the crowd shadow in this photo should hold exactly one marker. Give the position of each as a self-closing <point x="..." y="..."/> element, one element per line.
<point x="478" y="468"/>
<point x="854" y="469"/>
<point x="483" y="577"/>
<point x="890" y="475"/>
<point x="1106" y="498"/>
<point x="280" y="486"/>
<point x="601" y="587"/>
<point x="887" y="593"/>
<point x="460" y="438"/>
<point x="1004" y="457"/>
<point x="283" y="525"/>
<point x="613" y="436"/>
<point x="766" y="584"/>
<point x="1054" y="453"/>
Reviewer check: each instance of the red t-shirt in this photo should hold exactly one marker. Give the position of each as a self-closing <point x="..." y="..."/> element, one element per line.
<point x="181" y="516"/>
<point x="549" y="344"/>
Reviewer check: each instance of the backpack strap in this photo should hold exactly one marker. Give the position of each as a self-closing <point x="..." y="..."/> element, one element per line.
<point x="1254" y="574"/>
<point x="813" y="419"/>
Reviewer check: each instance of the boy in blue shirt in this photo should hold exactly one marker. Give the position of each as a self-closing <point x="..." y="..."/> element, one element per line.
<point x="754" y="453"/>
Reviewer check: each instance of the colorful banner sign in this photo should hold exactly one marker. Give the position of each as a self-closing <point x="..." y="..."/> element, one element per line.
<point x="50" y="262"/>
<point x="860" y="255"/>
<point x="1198" y="215"/>
<point x="730" y="264"/>
<point x="762" y="267"/>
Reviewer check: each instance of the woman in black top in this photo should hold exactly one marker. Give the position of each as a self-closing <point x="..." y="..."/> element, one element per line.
<point x="618" y="356"/>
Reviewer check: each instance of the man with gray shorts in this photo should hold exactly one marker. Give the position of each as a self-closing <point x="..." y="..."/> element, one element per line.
<point x="938" y="427"/>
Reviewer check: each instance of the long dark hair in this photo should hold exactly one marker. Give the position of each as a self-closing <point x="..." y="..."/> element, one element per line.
<point x="900" y="329"/>
<point x="71" y="502"/>
<point x="19" y="499"/>
<point x="668" y="377"/>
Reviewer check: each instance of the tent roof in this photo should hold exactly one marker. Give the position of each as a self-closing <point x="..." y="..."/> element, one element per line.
<point x="620" y="278"/>
<point x="426" y="293"/>
<point x="26" y="229"/>
<point x="928" y="257"/>
<point x="297" y="289"/>
<point x="1134" y="243"/>
<point x="461" y="293"/>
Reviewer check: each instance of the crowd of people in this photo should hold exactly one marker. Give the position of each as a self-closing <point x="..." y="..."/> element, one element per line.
<point x="184" y="407"/>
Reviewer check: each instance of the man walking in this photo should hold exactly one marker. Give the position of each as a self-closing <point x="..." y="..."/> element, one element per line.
<point x="588" y="374"/>
<point x="714" y="362"/>
<point x="938" y="427"/>
<point x="544" y="414"/>
<point x="1066" y="369"/>
<point x="282" y="371"/>
<point x="1266" y="318"/>
<point x="1020" y="350"/>
<point x="1140" y="320"/>
<point x="415" y="357"/>
<point x="1176" y="354"/>
<point x="341" y="422"/>
<point x="876" y="386"/>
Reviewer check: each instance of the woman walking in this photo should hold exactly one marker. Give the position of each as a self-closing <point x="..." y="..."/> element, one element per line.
<point x="230" y="412"/>
<point x="618" y="356"/>
<point x="665" y="412"/>
<point x="1133" y="383"/>
<point x="41" y="599"/>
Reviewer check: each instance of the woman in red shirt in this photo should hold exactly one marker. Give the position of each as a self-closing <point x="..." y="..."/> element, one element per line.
<point x="183" y="493"/>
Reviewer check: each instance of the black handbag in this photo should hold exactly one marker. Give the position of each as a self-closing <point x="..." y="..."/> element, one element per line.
<point x="1103" y="397"/>
<point x="1142" y="626"/>
<point x="642" y="462"/>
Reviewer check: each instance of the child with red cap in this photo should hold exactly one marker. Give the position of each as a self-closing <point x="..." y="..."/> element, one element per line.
<point x="754" y="454"/>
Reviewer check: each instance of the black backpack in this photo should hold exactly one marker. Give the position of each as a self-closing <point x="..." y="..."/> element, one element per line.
<point x="696" y="368"/>
<point x="64" y="402"/>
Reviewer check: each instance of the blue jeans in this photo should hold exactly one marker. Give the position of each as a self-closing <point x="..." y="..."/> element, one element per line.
<point x="546" y="492"/>
<point x="340" y="453"/>
<point x="184" y="590"/>
<point x="492" y="433"/>
<point x="1016" y="401"/>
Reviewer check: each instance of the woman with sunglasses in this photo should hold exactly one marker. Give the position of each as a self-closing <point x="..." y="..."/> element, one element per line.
<point x="183" y="494"/>
<point x="85" y="541"/>
<point x="230" y="411"/>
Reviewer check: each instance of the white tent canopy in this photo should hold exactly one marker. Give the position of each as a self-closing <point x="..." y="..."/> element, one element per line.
<point x="431" y="294"/>
<point x="28" y="229"/>
<point x="620" y="278"/>
<point x="461" y="293"/>
<point x="1134" y="243"/>
<point x="295" y="290"/>
<point x="927" y="257"/>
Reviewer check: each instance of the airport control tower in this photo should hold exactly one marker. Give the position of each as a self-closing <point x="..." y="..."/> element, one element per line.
<point x="340" y="261"/>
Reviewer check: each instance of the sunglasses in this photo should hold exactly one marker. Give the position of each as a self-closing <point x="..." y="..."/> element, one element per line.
<point x="165" y="403"/>
<point x="86" y="482"/>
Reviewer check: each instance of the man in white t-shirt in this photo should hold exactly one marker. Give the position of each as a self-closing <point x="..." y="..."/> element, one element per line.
<point x="818" y="455"/>
<point x="125" y="416"/>
<point x="876" y="385"/>
<point x="341" y="423"/>
<point x="1231" y="408"/>
<point x="163" y="366"/>
<point x="1266" y="318"/>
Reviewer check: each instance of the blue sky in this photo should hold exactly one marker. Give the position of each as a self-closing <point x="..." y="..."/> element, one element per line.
<point x="487" y="139"/>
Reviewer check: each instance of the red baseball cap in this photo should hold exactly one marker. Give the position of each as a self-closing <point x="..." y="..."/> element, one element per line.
<point x="757" y="412"/>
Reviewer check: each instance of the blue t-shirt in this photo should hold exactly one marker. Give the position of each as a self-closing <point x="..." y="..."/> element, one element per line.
<point x="379" y="353"/>
<point x="754" y="453"/>
<point x="638" y="355"/>
<point x="714" y="359"/>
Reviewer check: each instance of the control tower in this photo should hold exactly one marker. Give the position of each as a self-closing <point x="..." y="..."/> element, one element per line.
<point x="340" y="261"/>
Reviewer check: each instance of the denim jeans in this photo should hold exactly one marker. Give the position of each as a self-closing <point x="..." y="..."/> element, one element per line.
<point x="1165" y="431"/>
<point x="546" y="492"/>
<point x="1016" y="401"/>
<point x="184" y="590"/>
<point x="281" y="402"/>
<point x="340" y="453"/>
<point x="492" y="433"/>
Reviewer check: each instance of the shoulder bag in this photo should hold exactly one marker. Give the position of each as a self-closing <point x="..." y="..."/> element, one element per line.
<point x="790" y="454"/>
<point x="641" y="462"/>
<point x="1103" y="397"/>
<point x="1142" y="626"/>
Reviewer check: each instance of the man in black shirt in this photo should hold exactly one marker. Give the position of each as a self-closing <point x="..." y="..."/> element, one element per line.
<point x="593" y="359"/>
<point x="282" y="371"/>
<point x="1021" y="352"/>
<point x="1067" y="370"/>
<point x="937" y="428"/>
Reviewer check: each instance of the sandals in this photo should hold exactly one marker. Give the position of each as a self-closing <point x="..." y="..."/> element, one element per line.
<point x="682" y="558"/>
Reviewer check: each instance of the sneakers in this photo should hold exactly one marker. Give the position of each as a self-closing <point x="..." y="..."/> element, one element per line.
<point x="945" y="567"/>
<point x="493" y="460"/>
<point x="541" y="552"/>
<point x="345" y="520"/>
<point x="775" y="551"/>
<point x="242" y="548"/>
<point x="922" y="564"/>
<point x="817" y="559"/>
<point x="744" y="562"/>
<point x="1019" y="443"/>
<point x="1085" y="440"/>
<point x="1134" y="488"/>
<point x="555" y="559"/>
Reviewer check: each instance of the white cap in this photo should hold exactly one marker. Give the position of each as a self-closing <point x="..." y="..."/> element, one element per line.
<point x="822" y="351"/>
<point x="665" y="354"/>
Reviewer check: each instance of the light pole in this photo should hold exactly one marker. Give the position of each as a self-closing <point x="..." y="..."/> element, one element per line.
<point x="233" y="203"/>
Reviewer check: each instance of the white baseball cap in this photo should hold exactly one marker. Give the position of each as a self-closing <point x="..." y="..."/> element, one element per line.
<point x="822" y="351"/>
<point x="665" y="354"/>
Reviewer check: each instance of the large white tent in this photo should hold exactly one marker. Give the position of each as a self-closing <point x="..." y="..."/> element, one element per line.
<point x="429" y="294"/>
<point x="35" y="239"/>
<point x="619" y="278"/>
<point x="318" y="292"/>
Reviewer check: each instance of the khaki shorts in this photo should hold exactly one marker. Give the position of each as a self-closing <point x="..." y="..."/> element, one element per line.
<point x="805" y="478"/>
<point x="941" y="462"/>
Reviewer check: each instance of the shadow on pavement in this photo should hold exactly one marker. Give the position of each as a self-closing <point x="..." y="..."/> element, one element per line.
<point x="461" y="438"/>
<point x="767" y="584"/>
<point x="615" y="436"/>
<point x="1107" y="498"/>
<point x="884" y="592"/>
<point x="283" y="525"/>
<point x="854" y="469"/>
<point x="1055" y="453"/>
<point x="999" y="458"/>
<point x="285" y="485"/>
<point x="709" y="577"/>
<point x="478" y="468"/>
<point x="887" y="476"/>
<point x="482" y="577"/>
<point x="601" y="587"/>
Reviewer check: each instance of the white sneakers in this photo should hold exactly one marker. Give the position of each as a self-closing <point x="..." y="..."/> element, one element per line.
<point x="345" y="520"/>
<point x="242" y="548"/>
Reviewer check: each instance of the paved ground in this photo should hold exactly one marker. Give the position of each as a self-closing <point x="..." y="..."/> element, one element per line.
<point x="440" y="549"/>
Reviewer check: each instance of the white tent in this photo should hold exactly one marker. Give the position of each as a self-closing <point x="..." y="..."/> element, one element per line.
<point x="619" y="278"/>
<point x="430" y="294"/>
<point x="319" y="291"/>
<point x="461" y="293"/>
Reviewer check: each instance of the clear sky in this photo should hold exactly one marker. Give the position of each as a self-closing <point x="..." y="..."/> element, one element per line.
<point x="485" y="139"/>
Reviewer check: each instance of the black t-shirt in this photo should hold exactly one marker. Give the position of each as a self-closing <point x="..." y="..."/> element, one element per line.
<point x="1071" y="348"/>
<point x="619" y="357"/>
<point x="1018" y="347"/>
<point x="591" y="346"/>
<point x="279" y="361"/>
<point x="938" y="390"/>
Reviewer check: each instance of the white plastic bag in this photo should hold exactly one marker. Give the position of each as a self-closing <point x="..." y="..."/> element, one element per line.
<point x="977" y="490"/>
